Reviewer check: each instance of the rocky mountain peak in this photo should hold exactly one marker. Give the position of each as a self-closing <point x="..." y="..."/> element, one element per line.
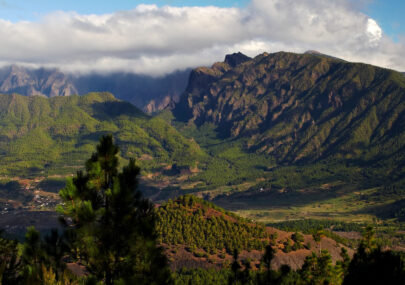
<point x="30" y="82"/>
<point x="236" y="59"/>
<point x="290" y="105"/>
<point x="315" y="52"/>
<point x="149" y="93"/>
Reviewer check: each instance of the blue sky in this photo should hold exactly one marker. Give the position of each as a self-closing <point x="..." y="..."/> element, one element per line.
<point x="390" y="15"/>
<point x="15" y="10"/>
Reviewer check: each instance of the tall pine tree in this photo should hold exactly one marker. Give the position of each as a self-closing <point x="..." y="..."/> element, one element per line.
<point x="10" y="263"/>
<point x="111" y="224"/>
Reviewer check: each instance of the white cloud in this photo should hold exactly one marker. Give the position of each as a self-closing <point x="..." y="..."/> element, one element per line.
<point x="154" y="40"/>
<point x="374" y="31"/>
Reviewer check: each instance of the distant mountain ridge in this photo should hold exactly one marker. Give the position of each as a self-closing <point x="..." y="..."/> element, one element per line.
<point x="30" y="82"/>
<point x="302" y="107"/>
<point x="149" y="93"/>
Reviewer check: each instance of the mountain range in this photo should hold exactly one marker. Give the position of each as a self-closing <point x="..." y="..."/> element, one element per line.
<point x="30" y="82"/>
<point x="302" y="109"/>
<point x="149" y="93"/>
<point x="271" y="131"/>
<point x="288" y="142"/>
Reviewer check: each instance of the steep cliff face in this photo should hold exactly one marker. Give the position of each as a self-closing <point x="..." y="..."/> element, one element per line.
<point x="151" y="94"/>
<point x="301" y="106"/>
<point x="161" y="103"/>
<point x="43" y="82"/>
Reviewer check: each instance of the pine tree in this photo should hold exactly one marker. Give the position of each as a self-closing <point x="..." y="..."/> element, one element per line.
<point x="112" y="225"/>
<point x="246" y="274"/>
<point x="234" y="278"/>
<point x="318" y="269"/>
<point x="10" y="263"/>
<point x="267" y="258"/>
<point x="372" y="265"/>
<point x="317" y="236"/>
<point x="33" y="257"/>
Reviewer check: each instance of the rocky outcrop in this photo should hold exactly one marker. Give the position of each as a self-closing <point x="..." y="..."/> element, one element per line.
<point x="151" y="94"/>
<point x="300" y="106"/>
<point x="30" y="82"/>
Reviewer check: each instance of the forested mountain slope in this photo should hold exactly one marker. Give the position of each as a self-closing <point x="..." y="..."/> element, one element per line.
<point x="303" y="108"/>
<point x="41" y="135"/>
<point x="197" y="233"/>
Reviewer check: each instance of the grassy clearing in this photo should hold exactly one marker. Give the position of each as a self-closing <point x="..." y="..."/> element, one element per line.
<point x="350" y="207"/>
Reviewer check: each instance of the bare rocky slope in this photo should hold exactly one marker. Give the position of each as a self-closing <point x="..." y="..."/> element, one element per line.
<point x="30" y="82"/>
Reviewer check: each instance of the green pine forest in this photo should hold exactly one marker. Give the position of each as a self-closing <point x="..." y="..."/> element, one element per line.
<point x="41" y="136"/>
